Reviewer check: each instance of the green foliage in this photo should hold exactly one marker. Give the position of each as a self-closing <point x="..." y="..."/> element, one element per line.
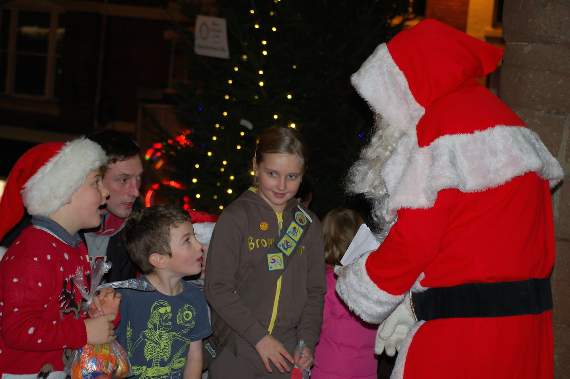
<point x="317" y="45"/>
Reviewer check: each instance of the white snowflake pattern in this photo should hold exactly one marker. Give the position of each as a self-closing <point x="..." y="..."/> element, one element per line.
<point x="1" y="303"/>
<point x="39" y="340"/>
<point x="54" y="322"/>
<point x="35" y="259"/>
<point x="17" y="242"/>
<point x="15" y="280"/>
<point x="31" y="330"/>
<point x="66" y="256"/>
<point x="40" y="284"/>
<point x="16" y="309"/>
<point x="53" y="244"/>
<point x="48" y="257"/>
<point x="61" y="268"/>
<point x="45" y="305"/>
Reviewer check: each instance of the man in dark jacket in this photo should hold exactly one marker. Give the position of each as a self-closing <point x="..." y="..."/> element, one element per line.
<point x="123" y="180"/>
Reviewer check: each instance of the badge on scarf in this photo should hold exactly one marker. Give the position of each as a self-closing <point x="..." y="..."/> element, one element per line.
<point x="275" y="261"/>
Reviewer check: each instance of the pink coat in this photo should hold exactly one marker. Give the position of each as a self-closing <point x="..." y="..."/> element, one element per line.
<point x="346" y="346"/>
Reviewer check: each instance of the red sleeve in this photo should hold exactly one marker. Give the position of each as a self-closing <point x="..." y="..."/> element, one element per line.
<point x="31" y="319"/>
<point x="413" y="242"/>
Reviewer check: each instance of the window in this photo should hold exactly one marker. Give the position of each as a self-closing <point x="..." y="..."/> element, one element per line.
<point x="30" y="53"/>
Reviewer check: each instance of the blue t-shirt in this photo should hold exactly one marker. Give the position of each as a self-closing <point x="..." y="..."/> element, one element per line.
<point x="156" y="329"/>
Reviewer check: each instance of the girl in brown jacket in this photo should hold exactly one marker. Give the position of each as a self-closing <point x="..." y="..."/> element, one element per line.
<point x="265" y="277"/>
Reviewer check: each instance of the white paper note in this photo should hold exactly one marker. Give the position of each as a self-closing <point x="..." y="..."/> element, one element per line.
<point x="363" y="242"/>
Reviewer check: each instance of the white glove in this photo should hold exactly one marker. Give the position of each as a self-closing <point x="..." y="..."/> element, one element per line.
<point x="394" y="330"/>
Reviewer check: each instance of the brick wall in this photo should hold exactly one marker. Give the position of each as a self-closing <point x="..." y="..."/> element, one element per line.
<point x="452" y="12"/>
<point x="535" y="81"/>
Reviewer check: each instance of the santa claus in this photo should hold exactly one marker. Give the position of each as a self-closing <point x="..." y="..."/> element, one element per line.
<point x="461" y="188"/>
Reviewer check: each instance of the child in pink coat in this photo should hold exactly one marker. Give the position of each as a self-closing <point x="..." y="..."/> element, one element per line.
<point x="346" y="346"/>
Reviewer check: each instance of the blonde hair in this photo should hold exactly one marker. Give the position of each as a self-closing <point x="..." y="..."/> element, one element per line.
<point x="280" y="140"/>
<point x="339" y="227"/>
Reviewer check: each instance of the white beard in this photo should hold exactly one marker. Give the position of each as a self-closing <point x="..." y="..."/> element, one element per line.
<point x="365" y="176"/>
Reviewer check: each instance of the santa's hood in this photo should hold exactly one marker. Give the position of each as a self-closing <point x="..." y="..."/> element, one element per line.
<point x="448" y="131"/>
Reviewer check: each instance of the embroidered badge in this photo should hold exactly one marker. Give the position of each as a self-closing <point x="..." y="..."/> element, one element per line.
<point x="263" y="226"/>
<point x="301" y="218"/>
<point x="287" y="244"/>
<point x="294" y="231"/>
<point x="275" y="261"/>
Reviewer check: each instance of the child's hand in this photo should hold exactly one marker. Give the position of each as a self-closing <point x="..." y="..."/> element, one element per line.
<point x="304" y="360"/>
<point x="271" y="350"/>
<point x="106" y="302"/>
<point x="100" y="329"/>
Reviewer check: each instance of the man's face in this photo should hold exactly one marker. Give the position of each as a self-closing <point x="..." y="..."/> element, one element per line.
<point x="123" y="180"/>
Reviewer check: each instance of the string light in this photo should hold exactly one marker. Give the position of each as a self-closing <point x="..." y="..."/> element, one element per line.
<point x="273" y="29"/>
<point x="229" y="191"/>
<point x="197" y="165"/>
<point x="210" y="153"/>
<point x="224" y="162"/>
<point x="230" y="81"/>
<point x="221" y="207"/>
<point x="242" y="134"/>
<point x="194" y="180"/>
<point x="197" y="196"/>
<point x="261" y="84"/>
<point x="236" y="68"/>
<point x="256" y="26"/>
<point x="238" y="147"/>
<point x="264" y="42"/>
<point x="217" y="126"/>
<point x="252" y="173"/>
<point x="232" y="177"/>
<point x="244" y="57"/>
<point x="264" y="52"/>
<point x="260" y="72"/>
<point x="292" y="125"/>
<point x="252" y="11"/>
<point x="226" y="96"/>
<point x="289" y="96"/>
<point x="225" y="114"/>
<point x="214" y="138"/>
<point x="275" y="116"/>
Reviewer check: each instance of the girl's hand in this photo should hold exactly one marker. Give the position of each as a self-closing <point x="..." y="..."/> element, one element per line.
<point x="271" y="350"/>
<point x="304" y="360"/>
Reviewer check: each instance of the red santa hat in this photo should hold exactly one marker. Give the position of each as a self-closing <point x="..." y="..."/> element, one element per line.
<point x="44" y="178"/>
<point x="203" y="224"/>
<point x="440" y="127"/>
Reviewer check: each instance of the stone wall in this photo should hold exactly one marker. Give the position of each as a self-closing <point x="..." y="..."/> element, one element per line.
<point x="535" y="81"/>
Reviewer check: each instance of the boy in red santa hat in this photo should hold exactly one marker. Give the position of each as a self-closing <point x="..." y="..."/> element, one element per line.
<point x="462" y="190"/>
<point x="40" y="307"/>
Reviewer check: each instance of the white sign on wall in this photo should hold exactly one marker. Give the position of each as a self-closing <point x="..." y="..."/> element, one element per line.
<point x="211" y="37"/>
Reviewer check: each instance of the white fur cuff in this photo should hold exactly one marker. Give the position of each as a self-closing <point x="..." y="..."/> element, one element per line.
<point x="362" y="295"/>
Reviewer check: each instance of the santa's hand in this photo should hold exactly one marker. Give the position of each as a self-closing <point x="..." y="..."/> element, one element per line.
<point x="395" y="328"/>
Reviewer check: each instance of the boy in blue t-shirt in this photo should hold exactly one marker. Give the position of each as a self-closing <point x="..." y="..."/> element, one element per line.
<point x="162" y="330"/>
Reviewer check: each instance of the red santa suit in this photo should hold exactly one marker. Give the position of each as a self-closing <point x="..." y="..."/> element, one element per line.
<point x="463" y="189"/>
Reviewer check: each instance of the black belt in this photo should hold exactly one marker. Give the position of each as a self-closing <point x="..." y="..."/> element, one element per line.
<point x="532" y="296"/>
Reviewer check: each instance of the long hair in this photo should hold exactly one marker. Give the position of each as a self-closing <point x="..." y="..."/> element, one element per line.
<point x="339" y="227"/>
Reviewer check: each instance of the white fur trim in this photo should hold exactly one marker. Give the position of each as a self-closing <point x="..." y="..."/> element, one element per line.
<point x="362" y="295"/>
<point x="383" y="85"/>
<point x="468" y="162"/>
<point x="54" y="183"/>
<point x="2" y="251"/>
<point x="203" y="231"/>
<point x="398" y="370"/>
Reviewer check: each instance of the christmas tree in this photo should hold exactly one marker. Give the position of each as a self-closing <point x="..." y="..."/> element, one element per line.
<point x="290" y="64"/>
